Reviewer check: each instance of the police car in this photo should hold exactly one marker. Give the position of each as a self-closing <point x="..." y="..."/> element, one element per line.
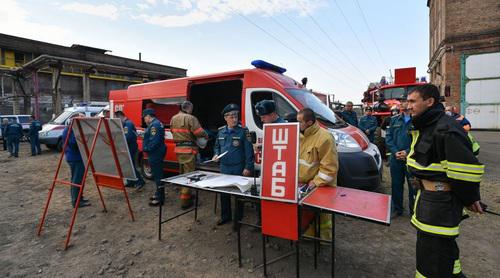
<point x="24" y="120"/>
<point x="51" y="133"/>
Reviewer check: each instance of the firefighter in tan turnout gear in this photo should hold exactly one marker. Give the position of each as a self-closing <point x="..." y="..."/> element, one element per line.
<point x="449" y="174"/>
<point x="185" y="130"/>
<point x="318" y="161"/>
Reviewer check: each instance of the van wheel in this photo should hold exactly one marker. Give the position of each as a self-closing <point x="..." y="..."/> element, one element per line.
<point x="59" y="145"/>
<point x="146" y="169"/>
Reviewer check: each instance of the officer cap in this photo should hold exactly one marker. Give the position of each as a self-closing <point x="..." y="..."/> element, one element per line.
<point x="148" y="111"/>
<point x="230" y="108"/>
<point x="265" y="107"/>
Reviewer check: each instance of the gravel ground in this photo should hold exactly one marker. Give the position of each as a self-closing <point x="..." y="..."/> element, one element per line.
<point x="111" y="245"/>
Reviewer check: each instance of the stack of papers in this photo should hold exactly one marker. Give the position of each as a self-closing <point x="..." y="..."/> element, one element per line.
<point x="242" y="183"/>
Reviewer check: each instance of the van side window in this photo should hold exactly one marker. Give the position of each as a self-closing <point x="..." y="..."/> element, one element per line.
<point x="283" y="107"/>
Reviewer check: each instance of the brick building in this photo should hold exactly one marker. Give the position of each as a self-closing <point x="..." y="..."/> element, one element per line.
<point x="460" y="29"/>
<point x="41" y="78"/>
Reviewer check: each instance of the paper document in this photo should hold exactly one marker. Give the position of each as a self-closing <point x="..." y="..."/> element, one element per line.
<point x="216" y="158"/>
<point x="242" y="183"/>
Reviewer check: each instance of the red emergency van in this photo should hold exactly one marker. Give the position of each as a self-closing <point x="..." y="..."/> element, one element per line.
<point x="360" y="161"/>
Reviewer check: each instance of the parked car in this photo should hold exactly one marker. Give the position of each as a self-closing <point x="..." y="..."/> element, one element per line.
<point x="51" y="133"/>
<point x="24" y="120"/>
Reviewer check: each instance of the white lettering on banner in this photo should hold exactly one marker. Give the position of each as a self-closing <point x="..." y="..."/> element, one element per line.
<point x="279" y="149"/>
<point x="280" y="140"/>
<point x="279" y="167"/>
<point x="277" y="190"/>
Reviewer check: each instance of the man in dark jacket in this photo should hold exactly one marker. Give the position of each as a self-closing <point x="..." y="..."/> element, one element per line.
<point x="349" y="115"/>
<point x="368" y="124"/>
<point x="449" y="173"/>
<point x="154" y="146"/>
<point x="35" y="127"/>
<point x="14" y="133"/>
<point x="75" y="162"/>
<point x="5" y="123"/>
<point x="398" y="142"/>
<point x="233" y="140"/>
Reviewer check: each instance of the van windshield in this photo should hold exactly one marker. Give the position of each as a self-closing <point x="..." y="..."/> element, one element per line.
<point x="61" y="119"/>
<point x="24" y="119"/>
<point x="323" y="113"/>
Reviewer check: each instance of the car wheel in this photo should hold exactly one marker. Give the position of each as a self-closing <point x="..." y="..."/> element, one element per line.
<point x="59" y="145"/>
<point x="146" y="169"/>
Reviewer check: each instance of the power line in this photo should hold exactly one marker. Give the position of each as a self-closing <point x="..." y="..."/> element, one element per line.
<point x="282" y="43"/>
<point x="371" y="35"/>
<point x="310" y="48"/>
<point x="320" y="47"/>
<point x="354" y="33"/>
<point x="334" y="43"/>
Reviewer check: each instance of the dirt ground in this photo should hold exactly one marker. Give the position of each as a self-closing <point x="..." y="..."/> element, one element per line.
<point x="111" y="245"/>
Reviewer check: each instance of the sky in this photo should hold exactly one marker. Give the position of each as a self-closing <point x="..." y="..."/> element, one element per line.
<point x="339" y="45"/>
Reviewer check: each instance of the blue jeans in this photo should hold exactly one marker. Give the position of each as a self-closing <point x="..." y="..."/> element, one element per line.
<point x="77" y="170"/>
<point x="399" y="173"/>
<point x="35" y="145"/>
<point x="157" y="169"/>
<point x="225" y="199"/>
<point x="13" y="145"/>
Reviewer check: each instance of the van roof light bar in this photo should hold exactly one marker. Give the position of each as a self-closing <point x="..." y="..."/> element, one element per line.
<point x="260" y="64"/>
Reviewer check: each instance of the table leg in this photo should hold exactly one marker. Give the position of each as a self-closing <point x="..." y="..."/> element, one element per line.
<point x="238" y="232"/>
<point x="196" y="206"/>
<point x="159" y="221"/>
<point x="333" y="245"/>
<point x="264" y="263"/>
<point x="297" y="259"/>
<point x="215" y="203"/>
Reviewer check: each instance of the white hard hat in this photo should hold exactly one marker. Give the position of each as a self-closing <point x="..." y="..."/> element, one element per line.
<point x="201" y="142"/>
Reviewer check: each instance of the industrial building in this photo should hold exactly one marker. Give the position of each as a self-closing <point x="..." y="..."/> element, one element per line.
<point x="42" y="78"/>
<point x="465" y="57"/>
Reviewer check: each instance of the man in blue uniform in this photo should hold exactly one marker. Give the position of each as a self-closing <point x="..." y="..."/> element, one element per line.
<point x="398" y="143"/>
<point x="5" y="123"/>
<point x="266" y="110"/>
<point x="349" y="115"/>
<point x="35" y="127"/>
<point x="154" y="146"/>
<point x="239" y="159"/>
<point x="14" y="133"/>
<point x="131" y="137"/>
<point x="368" y="124"/>
<point x="75" y="162"/>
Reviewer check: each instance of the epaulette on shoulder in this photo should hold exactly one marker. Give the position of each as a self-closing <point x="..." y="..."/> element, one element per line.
<point x="222" y="127"/>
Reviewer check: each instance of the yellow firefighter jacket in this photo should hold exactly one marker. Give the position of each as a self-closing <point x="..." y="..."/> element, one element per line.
<point x="318" y="159"/>
<point x="185" y="129"/>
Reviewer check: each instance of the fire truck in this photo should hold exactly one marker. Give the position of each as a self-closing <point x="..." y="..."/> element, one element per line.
<point x="359" y="160"/>
<point x="381" y="97"/>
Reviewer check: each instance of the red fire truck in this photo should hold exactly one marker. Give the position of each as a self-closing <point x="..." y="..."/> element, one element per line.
<point x="360" y="160"/>
<point x="382" y="98"/>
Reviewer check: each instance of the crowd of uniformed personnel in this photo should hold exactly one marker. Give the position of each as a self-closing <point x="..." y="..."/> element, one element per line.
<point x="430" y="148"/>
<point x="12" y="134"/>
<point x="433" y="149"/>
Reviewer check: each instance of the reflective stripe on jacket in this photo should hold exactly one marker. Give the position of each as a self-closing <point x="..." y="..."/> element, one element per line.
<point x="186" y="128"/>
